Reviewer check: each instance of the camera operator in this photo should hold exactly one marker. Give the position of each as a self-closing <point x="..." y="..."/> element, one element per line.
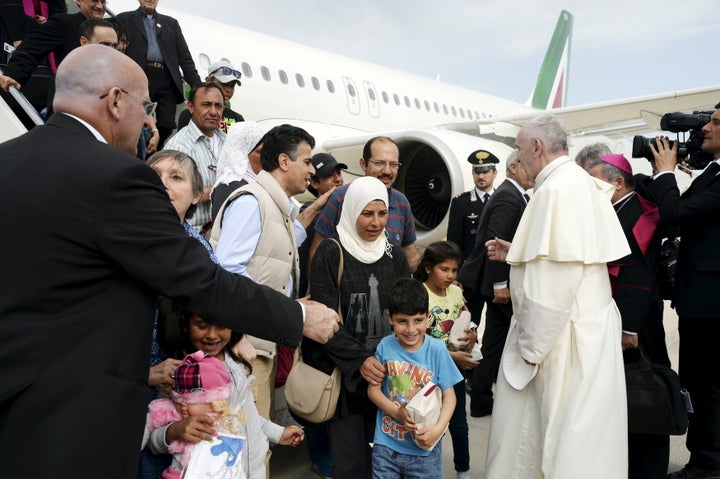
<point x="697" y="281"/>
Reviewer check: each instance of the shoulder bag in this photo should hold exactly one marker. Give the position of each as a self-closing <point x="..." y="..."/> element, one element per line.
<point x="310" y="393"/>
<point x="655" y="402"/>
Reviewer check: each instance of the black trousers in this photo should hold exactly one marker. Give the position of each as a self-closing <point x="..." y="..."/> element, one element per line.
<point x="648" y="456"/>
<point x="162" y="91"/>
<point x="497" y="323"/>
<point x="700" y="375"/>
<point x="350" y="439"/>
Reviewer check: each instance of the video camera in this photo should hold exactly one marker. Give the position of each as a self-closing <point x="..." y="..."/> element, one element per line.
<point x="679" y="123"/>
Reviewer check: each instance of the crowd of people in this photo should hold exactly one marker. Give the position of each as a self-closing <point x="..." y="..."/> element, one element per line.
<point x="204" y="217"/>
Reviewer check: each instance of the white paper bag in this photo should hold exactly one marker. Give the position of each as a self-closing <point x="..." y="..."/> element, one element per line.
<point x="424" y="408"/>
<point x="457" y="332"/>
<point x="219" y="458"/>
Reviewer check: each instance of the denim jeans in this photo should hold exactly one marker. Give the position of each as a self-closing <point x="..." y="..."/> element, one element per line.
<point x="388" y="464"/>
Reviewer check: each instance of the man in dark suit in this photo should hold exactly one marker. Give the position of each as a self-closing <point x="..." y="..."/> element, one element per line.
<point x="697" y="282"/>
<point x="465" y="211"/>
<point x="635" y="292"/>
<point x="157" y="44"/>
<point x="96" y="240"/>
<point x="500" y="219"/>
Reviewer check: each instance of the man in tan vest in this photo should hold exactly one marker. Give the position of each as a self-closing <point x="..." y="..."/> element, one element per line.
<point x="258" y="231"/>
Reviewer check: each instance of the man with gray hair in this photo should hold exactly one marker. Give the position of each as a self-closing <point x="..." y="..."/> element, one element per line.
<point x="591" y="152"/>
<point x="560" y="408"/>
<point x="99" y="241"/>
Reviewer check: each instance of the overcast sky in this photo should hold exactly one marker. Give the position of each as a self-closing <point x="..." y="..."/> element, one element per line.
<point x="620" y="48"/>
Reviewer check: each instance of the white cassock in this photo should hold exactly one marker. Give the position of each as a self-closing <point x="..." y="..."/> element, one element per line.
<point x="566" y="417"/>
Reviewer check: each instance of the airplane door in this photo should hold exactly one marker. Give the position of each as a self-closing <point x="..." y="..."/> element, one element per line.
<point x="351" y="93"/>
<point x="372" y="97"/>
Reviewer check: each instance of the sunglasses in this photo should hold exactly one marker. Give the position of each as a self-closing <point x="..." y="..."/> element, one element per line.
<point x="226" y="71"/>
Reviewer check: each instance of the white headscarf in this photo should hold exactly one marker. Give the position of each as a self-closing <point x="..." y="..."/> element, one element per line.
<point x="241" y="139"/>
<point x="361" y="192"/>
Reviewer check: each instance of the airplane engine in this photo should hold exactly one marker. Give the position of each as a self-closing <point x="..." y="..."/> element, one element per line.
<point x="434" y="170"/>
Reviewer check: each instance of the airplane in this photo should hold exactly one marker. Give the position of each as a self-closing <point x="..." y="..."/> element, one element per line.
<point x="343" y="102"/>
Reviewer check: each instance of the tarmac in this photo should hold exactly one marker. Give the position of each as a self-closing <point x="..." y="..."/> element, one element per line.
<point x="293" y="463"/>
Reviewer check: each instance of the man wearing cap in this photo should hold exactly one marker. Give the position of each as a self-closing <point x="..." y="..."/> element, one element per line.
<point x="224" y="74"/>
<point x="489" y="279"/>
<point x="635" y="293"/>
<point x="466" y="208"/>
<point x="157" y="44"/>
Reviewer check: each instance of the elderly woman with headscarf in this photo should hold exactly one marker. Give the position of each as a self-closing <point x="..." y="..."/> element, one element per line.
<point x="239" y="161"/>
<point x="371" y="265"/>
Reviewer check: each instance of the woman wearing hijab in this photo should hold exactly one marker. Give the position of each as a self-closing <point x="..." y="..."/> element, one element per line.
<point x="239" y="161"/>
<point x="371" y="265"/>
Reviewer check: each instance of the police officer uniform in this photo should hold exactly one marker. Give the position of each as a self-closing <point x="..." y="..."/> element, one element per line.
<point x="466" y="208"/>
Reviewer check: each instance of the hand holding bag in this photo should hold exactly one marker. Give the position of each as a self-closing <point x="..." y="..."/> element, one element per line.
<point x="655" y="404"/>
<point x="310" y="393"/>
<point x="424" y="408"/>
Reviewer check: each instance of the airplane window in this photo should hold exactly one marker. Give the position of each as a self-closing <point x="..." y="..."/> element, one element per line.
<point x="462" y="112"/>
<point x="351" y="90"/>
<point x="445" y="109"/>
<point x="407" y="101"/>
<point x="396" y="98"/>
<point x="283" y="77"/>
<point x="371" y="94"/>
<point x="417" y="104"/>
<point x="437" y="108"/>
<point x="453" y="110"/>
<point x="427" y="105"/>
<point x="300" y="80"/>
<point x="315" y="83"/>
<point x="330" y="86"/>
<point x="385" y="97"/>
<point x="265" y="73"/>
<point x="477" y="116"/>
<point x="247" y="70"/>
<point x="469" y="114"/>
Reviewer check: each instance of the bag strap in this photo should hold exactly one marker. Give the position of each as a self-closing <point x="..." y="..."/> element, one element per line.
<point x="339" y="277"/>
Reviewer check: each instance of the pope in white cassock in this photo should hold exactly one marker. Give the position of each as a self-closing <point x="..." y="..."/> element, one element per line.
<point x="560" y="408"/>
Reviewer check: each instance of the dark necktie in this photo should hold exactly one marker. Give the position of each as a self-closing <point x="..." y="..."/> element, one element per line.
<point x="527" y="198"/>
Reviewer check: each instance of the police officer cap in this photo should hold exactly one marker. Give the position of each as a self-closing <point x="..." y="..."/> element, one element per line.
<point x="483" y="160"/>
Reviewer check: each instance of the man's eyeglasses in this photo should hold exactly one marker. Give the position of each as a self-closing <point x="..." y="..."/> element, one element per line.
<point x="148" y="105"/>
<point x="226" y="71"/>
<point x="394" y="165"/>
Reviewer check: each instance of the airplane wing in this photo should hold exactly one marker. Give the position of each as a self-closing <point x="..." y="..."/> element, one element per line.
<point x="616" y="119"/>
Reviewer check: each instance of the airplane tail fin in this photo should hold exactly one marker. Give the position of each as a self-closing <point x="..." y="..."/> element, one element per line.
<point x="551" y="86"/>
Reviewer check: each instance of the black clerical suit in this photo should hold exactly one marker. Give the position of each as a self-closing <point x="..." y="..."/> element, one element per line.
<point x="164" y="80"/>
<point x="92" y="240"/>
<point x="635" y="293"/>
<point x="499" y="219"/>
<point x="697" y="300"/>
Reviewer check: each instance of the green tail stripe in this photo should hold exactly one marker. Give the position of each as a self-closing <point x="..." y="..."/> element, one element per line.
<point x="552" y="66"/>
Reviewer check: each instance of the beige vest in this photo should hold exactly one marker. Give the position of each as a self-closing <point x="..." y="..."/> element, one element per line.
<point x="275" y="258"/>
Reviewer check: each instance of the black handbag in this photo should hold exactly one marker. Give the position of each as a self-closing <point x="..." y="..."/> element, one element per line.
<point x="655" y="403"/>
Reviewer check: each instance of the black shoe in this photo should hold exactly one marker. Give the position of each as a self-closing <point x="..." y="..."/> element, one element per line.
<point x="694" y="472"/>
